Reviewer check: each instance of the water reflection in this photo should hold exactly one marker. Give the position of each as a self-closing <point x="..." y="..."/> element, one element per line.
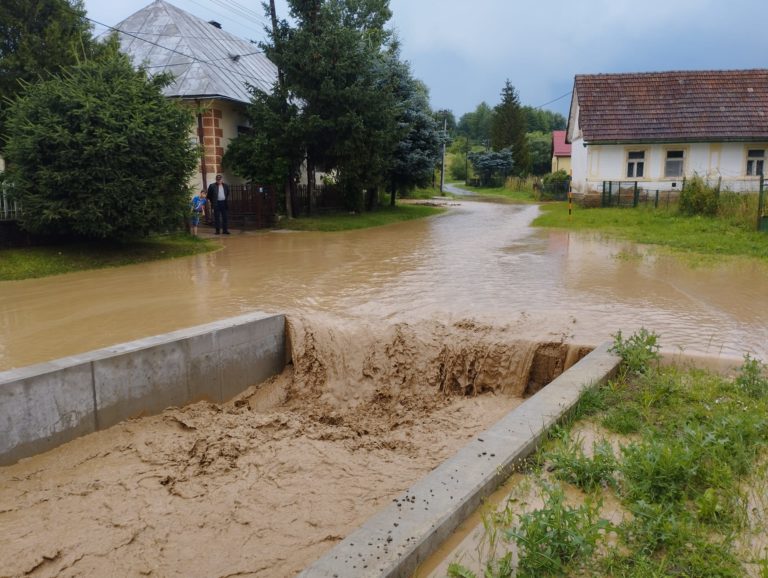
<point x="478" y="261"/>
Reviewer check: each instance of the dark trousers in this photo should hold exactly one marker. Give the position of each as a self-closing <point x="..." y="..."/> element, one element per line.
<point x="220" y="219"/>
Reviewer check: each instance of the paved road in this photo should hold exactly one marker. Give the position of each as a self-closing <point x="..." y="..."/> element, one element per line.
<point x="455" y="190"/>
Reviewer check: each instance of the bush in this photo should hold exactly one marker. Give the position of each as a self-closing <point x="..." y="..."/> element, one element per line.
<point x="698" y="198"/>
<point x="457" y="167"/>
<point x="557" y="177"/>
<point x="100" y="153"/>
<point x="638" y="352"/>
<point x="738" y="208"/>
<point x="752" y="378"/>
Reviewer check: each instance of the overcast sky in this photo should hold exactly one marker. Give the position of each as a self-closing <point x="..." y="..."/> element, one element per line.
<point x="464" y="50"/>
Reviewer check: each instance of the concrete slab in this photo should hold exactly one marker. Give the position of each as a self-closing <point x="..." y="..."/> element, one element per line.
<point x="45" y="405"/>
<point x="397" y="539"/>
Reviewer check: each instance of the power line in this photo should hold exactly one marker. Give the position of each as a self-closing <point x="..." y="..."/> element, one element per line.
<point x="233" y="20"/>
<point x="192" y="58"/>
<point x="555" y="100"/>
<point x="240" y="10"/>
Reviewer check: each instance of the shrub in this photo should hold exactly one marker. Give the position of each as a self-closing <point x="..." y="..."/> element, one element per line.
<point x="738" y="208"/>
<point x="698" y="198"/>
<point x="571" y="465"/>
<point x="637" y="352"/>
<point x="556" y="536"/>
<point x="752" y="378"/>
<point x="99" y="152"/>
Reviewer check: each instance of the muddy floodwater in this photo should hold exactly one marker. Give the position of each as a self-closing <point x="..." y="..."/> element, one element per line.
<point x="480" y="261"/>
<point x="406" y="342"/>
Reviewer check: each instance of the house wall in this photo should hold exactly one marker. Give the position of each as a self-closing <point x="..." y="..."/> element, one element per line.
<point x="725" y="162"/>
<point x="561" y="164"/>
<point x="220" y="120"/>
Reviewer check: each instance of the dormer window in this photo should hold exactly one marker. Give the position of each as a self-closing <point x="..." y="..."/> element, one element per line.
<point x="755" y="162"/>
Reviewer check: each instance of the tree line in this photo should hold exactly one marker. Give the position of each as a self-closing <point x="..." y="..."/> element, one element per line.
<point x="525" y="132"/>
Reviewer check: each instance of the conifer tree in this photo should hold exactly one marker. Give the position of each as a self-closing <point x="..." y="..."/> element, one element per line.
<point x="508" y="129"/>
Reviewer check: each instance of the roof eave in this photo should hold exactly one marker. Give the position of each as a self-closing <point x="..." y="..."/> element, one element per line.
<point x="687" y="140"/>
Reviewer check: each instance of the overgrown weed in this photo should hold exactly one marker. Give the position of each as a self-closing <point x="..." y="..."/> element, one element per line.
<point x="692" y="481"/>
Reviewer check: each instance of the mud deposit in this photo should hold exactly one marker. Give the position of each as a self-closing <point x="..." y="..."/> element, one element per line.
<point x="265" y="484"/>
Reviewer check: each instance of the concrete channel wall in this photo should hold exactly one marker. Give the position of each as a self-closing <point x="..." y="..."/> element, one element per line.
<point x="395" y="541"/>
<point x="48" y="404"/>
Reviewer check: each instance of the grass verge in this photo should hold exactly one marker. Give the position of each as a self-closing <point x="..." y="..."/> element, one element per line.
<point x="346" y="221"/>
<point x="33" y="262"/>
<point x="699" y="234"/>
<point x="680" y="456"/>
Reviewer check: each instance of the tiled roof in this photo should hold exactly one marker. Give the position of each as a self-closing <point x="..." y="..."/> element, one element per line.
<point x="207" y="61"/>
<point x="559" y="146"/>
<point x="678" y="106"/>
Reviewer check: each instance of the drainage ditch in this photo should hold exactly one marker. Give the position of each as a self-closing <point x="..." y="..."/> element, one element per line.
<point x="270" y="482"/>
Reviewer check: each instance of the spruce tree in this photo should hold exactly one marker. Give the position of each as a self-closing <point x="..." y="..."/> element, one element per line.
<point x="508" y="129"/>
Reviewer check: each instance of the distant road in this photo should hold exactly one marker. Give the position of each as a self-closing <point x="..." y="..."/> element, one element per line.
<point x="453" y="189"/>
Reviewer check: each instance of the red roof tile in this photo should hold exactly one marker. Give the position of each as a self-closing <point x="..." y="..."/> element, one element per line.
<point x="677" y="106"/>
<point x="559" y="146"/>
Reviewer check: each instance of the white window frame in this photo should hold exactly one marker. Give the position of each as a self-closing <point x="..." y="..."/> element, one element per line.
<point x="633" y="164"/>
<point x="755" y="162"/>
<point x="676" y="160"/>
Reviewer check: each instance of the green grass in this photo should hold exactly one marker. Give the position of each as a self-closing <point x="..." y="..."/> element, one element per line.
<point x="345" y="221"/>
<point x="691" y="481"/>
<point x="33" y="262"/>
<point x="702" y="235"/>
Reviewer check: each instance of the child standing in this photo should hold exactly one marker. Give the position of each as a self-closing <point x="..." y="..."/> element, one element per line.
<point x="198" y="210"/>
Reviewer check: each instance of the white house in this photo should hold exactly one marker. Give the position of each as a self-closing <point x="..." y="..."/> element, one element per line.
<point x="659" y="127"/>
<point x="211" y="68"/>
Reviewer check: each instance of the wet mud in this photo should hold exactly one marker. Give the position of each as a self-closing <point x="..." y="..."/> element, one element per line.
<point x="263" y="485"/>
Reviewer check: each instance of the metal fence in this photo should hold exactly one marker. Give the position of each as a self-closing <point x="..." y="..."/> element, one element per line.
<point x="555" y="190"/>
<point x="252" y="205"/>
<point x="630" y="194"/>
<point x="324" y="198"/>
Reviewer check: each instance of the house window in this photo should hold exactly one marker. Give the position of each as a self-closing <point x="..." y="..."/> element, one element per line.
<point x="673" y="167"/>
<point x="755" y="161"/>
<point x="635" y="164"/>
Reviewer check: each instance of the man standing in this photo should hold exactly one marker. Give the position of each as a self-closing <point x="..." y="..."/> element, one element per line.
<point x="218" y="193"/>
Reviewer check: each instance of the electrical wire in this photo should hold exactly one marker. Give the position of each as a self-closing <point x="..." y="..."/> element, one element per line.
<point x="554" y="100"/>
<point x="192" y="58"/>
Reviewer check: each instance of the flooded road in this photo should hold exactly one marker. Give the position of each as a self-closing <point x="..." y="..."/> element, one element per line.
<point x="479" y="261"/>
<point x="406" y="342"/>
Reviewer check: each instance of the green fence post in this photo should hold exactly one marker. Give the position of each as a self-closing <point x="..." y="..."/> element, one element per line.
<point x="656" y="201"/>
<point x="636" y="199"/>
<point x="762" y="222"/>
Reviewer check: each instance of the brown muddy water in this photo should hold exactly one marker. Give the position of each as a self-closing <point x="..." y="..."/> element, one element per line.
<point x="480" y="261"/>
<point x="406" y="340"/>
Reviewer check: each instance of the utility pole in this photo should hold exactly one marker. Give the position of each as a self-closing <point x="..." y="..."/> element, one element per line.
<point x="281" y="87"/>
<point x="442" y="163"/>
